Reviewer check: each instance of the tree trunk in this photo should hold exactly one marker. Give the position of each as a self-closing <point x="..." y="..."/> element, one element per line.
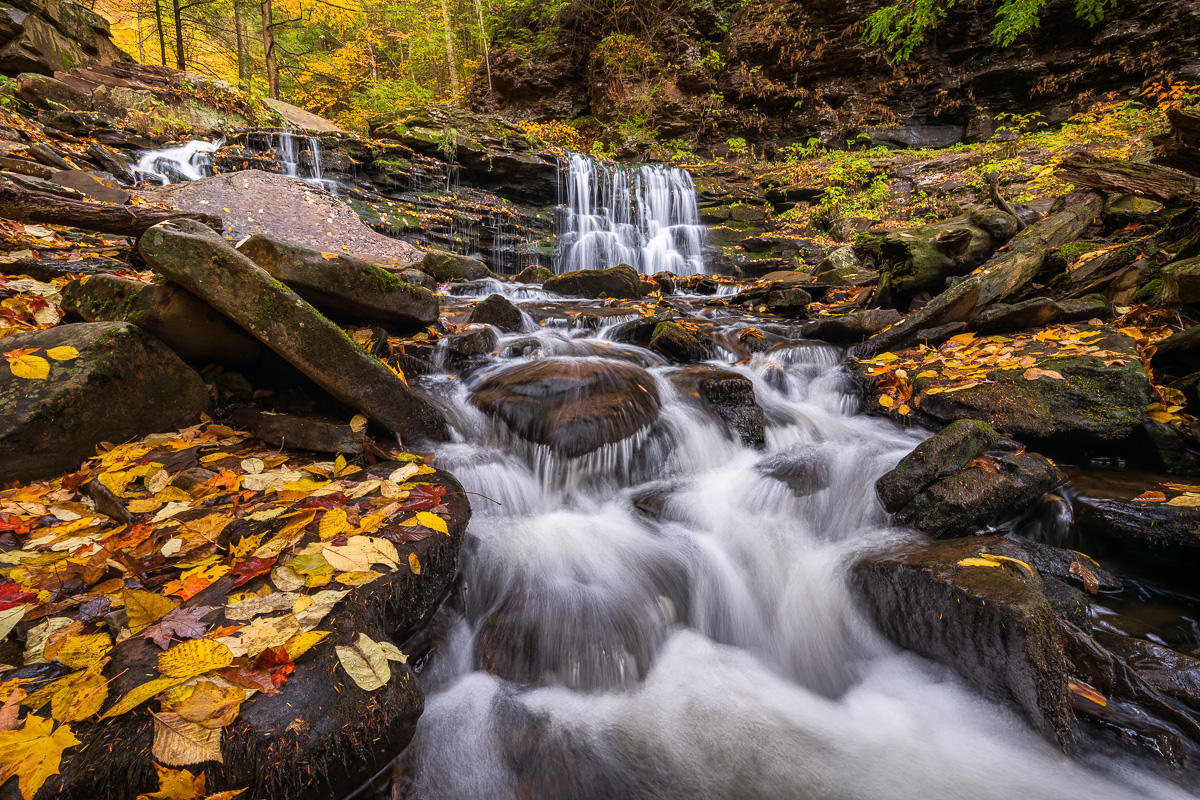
<point x="180" y="60"/>
<point x="1001" y="277"/>
<point x="269" y="51"/>
<point x="141" y="36"/>
<point x="162" y="40"/>
<point x="487" y="56"/>
<point x="450" y="58"/>
<point x="1167" y="186"/>
<point x="28" y="205"/>
<point x="243" y="44"/>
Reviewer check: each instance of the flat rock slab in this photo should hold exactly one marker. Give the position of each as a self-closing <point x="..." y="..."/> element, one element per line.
<point x="124" y="383"/>
<point x="184" y="322"/>
<point x="301" y="118"/>
<point x="289" y="208"/>
<point x="342" y="283"/>
<point x="198" y="259"/>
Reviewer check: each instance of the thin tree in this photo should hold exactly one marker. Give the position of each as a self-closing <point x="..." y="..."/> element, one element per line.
<point x="162" y="41"/>
<point x="241" y="28"/>
<point x="450" y="59"/>
<point x="180" y="58"/>
<point x="269" y="51"/>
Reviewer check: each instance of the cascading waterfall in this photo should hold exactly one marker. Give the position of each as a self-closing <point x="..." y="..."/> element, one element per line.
<point x="676" y="624"/>
<point x="289" y="159"/>
<point x="185" y="162"/>
<point x="642" y="215"/>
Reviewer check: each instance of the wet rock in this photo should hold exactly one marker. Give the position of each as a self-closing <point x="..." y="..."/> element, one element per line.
<point x="622" y="281"/>
<point x="300" y="431"/>
<point x="1168" y="448"/>
<point x="571" y="405"/>
<point x="445" y="266"/>
<point x="477" y="342"/>
<point x="496" y="310"/>
<point x="853" y="327"/>
<point x="1071" y="567"/>
<point x="1172" y="673"/>
<point x="233" y="386"/>
<point x="842" y="268"/>
<point x="76" y="123"/>
<point x="1154" y="531"/>
<point x="184" y="322"/>
<point x="534" y="274"/>
<point x="342" y="283"/>
<point x="726" y="395"/>
<point x="991" y="624"/>
<point x="804" y="471"/>
<point x="980" y="496"/>
<point x="320" y="727"/>
<point x="1179" y="353"/>
<point x="124" y="384"/>
<point x="1181" y="281"/>
<point x="939" y="456"/>
<point x="1135" y="711"/>
<point x="1094" y="399"/>
<point x="1038" y="313"/>
<point x="917" y="137"/>
<point x="418" y="278"/>
<point x="788" y="301"/>
<point x="675" y="343"/>
<point x="49" y="270"/>
<point x="193" y="256"/>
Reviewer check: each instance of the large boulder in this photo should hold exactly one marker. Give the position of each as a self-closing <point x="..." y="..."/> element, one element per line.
<point x="498" y="311"/>
<point x="976" y="606"/>
<point x="255" y="202"/>
<point x="184" y="322"/>
<point x="123" y="383"/>
<point x="272" y="630"/>
<point x="198" y="259"/>
<point x="621" y="281"/>
<point x="852" y="327"/>
<point x="49" y="36"/>
<point x="445" y="266"/>
<point x="572" y="406"/>
<point x="939" y="456"/>
<point x="342" y="283"/>
<point x="1039" y="312"/>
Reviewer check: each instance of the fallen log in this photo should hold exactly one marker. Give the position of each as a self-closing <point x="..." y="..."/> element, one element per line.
<point x="1168" y="186"/>
<point x="29" y="205"/>
<point x="1001" y="277"/>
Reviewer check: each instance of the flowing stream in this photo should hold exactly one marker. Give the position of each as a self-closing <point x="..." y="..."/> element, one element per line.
<point x="644" y="215"/>
<point x="671" y="621"/>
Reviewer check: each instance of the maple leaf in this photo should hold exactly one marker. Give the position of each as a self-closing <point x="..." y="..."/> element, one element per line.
<point x="179" y="784"/>
<point x="251" y="568"/>
<point x="182" y="623"/>
<point x="33" y="753"/>
<point x="12" y="595"/>
<point x="422" y="497"/>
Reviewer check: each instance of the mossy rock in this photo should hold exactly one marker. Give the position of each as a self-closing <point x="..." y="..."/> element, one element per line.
<point x="622" y="281"/>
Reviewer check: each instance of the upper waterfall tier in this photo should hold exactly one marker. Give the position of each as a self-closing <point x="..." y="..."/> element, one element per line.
<point x="643" y="215"/>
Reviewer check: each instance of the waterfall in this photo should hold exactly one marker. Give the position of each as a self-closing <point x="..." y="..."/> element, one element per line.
<point x="642" y="215"/>
<point x="314" y="159"/>
<point x="185" y="162"/>
<point x="289" y="160"/>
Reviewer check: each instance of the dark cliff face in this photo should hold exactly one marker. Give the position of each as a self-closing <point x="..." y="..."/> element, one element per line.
<point x="780" y="71"/>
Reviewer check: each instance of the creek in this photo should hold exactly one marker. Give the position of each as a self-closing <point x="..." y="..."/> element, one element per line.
<point x="669" y="616"/>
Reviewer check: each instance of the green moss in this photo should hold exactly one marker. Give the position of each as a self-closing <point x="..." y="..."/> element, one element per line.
<point x="869" y="244"/>
<point x="385" y="281"/>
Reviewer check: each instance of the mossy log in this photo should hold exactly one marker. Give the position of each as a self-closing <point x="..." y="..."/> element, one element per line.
<point x="1002" y="276"/>
<point x="30" y="205"/>
<point x="1168" y="186"/>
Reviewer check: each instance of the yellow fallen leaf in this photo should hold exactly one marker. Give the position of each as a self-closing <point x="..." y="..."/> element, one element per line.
<point x="333" y="524"/>
<point x="195" y="657"/>
<point x="1185" y="501"/>
<point x="414" y="564"/>
<point x="301" y="643"/>
<point x="63" y="353"/>
<point x="31" y="367"/>
<point x="33" y="753"/>
<point x="80" y="651"/>
<point x="428" y="520"/>
<point x="977" y="562"/>
<point x="145" y="608"/>
<point x="140" y="694"/>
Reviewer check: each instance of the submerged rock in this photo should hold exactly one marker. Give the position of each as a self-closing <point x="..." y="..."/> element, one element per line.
<point x="124" y="383"/>
<point x="675" y="343"/>
<point x="184" y="322"/>
<point x="571" y="405"/>
<point x="726" y="395"/>
<point x="342" y="283"/>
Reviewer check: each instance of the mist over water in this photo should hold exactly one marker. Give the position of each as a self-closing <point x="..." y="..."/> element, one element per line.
<point x="667" y="620"/>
